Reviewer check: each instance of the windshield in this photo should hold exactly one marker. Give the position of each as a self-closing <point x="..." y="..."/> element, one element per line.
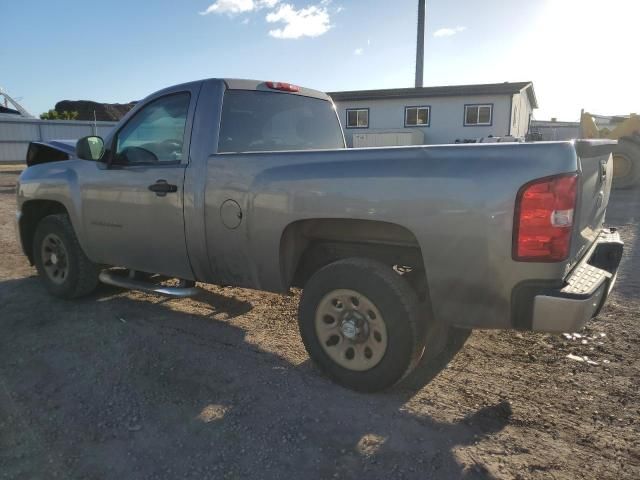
<point x="254" y="121"/>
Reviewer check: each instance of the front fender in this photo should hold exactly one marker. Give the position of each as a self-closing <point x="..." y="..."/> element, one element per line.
<point x="55" y="182"/>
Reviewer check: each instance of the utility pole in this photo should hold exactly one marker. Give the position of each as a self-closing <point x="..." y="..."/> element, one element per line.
<point x="420" y="43"/>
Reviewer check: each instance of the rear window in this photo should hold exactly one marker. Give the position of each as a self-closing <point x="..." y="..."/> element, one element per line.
<point x="254" y="121"/>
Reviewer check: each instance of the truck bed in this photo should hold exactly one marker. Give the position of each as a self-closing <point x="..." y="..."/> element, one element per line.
<point x="456" y="201"/>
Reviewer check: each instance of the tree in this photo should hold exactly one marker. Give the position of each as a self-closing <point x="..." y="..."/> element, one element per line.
<point x="50" y="115"/>
<point x="55" y="115"/>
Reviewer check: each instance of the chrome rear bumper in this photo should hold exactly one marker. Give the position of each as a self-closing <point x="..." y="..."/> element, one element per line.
<point x="586" y="289"/>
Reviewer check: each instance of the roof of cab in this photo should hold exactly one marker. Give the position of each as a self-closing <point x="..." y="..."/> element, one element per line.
<point x="238" y="84"/>
<point x="261" y="85"/>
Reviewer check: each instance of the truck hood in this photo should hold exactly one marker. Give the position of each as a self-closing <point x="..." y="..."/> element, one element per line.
<point x="50" y="151"/>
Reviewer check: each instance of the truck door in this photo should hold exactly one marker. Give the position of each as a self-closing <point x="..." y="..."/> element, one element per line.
<point x="133" y="205"/>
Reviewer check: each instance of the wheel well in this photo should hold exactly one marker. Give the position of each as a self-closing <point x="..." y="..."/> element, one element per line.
<point x="32" y="212"/>
<point x="308" y="245"/>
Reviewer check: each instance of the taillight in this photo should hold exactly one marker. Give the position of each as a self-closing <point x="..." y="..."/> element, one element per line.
<point x="544" y="219"/>
<point x="285" y="87"/>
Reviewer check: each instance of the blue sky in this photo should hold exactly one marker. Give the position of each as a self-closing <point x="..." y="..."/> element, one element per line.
<point x="118" y="51"/>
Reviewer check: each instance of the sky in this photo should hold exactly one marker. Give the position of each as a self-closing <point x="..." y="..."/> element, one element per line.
<point x="578" y="53"/>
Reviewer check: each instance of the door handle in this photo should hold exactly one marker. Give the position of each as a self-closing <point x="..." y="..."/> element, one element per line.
<point x="161" y="188"/>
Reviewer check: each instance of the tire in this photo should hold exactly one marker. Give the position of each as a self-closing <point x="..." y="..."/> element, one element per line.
<point x="55" y="245"/>
<point x="626" y="158"/>
<point x="387" y="314"/>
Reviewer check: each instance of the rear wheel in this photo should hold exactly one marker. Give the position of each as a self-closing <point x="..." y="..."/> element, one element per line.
<point x="61" y="263"/>
<point x="626" y="164"/>
<point x="361" y="324"/>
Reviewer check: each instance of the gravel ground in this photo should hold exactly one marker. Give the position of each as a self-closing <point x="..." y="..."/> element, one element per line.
<point x="128" y="385"/>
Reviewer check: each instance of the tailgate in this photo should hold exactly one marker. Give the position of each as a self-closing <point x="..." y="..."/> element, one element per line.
<point x="596" y="172"/>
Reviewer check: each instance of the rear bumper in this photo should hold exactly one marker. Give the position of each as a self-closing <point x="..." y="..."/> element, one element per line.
<point x="585" y="291"/>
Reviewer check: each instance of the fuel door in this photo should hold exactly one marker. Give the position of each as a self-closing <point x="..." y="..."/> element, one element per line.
<point x="231" y="214"/>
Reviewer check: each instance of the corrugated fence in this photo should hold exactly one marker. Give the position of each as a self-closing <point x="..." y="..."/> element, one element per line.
<point x="16" y="133"/>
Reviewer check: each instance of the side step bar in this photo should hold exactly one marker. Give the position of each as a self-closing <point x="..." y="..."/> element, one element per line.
<point x="116" y="280"/>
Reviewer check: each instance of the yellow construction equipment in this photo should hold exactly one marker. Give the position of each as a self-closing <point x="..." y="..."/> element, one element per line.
<point x="626" y="155"/>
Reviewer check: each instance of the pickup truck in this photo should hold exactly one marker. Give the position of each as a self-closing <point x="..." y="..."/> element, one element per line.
<point x="249" y="183"/>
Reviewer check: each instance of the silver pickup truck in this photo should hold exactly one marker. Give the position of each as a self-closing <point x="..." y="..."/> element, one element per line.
<point x="249" y="183"/>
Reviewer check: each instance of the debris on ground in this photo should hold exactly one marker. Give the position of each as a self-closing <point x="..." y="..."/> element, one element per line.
<point x="577" y="358"/>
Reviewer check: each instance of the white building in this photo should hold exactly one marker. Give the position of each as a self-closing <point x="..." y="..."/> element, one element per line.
<point x="435" y="115"/>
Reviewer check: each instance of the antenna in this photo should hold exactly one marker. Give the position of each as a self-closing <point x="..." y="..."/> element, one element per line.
<point x="420" y="43"/>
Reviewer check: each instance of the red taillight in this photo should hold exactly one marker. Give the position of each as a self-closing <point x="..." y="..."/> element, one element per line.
<point x="544" y="219"/>
<point x="285" y="87"/>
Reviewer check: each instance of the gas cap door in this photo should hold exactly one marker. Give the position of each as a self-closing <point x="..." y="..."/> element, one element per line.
<point x="231" y="214"/>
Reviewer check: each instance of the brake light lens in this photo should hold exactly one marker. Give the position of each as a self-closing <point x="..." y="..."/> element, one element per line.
<point x="285" y="87"/>
<point x="544" y="219"/>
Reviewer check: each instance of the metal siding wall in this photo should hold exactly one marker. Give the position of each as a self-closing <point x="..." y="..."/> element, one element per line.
<point x="54" y="131"/>
<point x="103" y="130"/>
<point x="16" y="133"/>
<point x="13" y="151"/>
<point x="10" y="131"/>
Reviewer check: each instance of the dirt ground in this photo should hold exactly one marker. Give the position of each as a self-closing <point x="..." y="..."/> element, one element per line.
<point x="127" y="385"/>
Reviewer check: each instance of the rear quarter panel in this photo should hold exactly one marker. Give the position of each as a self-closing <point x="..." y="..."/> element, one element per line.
<point x="457" y="200"/>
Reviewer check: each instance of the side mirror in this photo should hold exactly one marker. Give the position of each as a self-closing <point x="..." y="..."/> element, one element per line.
<point x="90" y="148"/>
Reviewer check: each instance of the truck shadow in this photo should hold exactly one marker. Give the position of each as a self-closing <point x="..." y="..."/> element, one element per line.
<point x="220" y="307"/>
<point x="114" y="387"/>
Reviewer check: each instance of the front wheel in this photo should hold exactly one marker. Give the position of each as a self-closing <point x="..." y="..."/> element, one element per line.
<point x="61" y="263"/>
<point x="361" y="324"/>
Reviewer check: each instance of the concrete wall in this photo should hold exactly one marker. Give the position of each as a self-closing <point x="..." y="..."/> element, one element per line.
<point x="556" y="130"/>
<point x="447" y="117"/>
<point x="16" y="133"/>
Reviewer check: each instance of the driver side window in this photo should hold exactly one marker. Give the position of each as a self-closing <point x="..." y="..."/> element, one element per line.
<point x="156" y="133"/>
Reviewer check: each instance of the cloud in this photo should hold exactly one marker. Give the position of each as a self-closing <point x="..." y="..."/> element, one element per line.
<point x="358" y="51"/>
<point x="448" y="32"/>
<point x="311" y="21"/>
<point x="229" y="6"/>
<point x="238" y="6"/>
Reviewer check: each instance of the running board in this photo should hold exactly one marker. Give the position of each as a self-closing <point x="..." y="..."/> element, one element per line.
<point x="111" y="278"/>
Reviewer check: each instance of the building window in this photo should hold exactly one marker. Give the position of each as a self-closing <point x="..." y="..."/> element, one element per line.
<point x="417" y="116"/>
<point x="357" y="118"/>
<point x="478" y="115"/>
